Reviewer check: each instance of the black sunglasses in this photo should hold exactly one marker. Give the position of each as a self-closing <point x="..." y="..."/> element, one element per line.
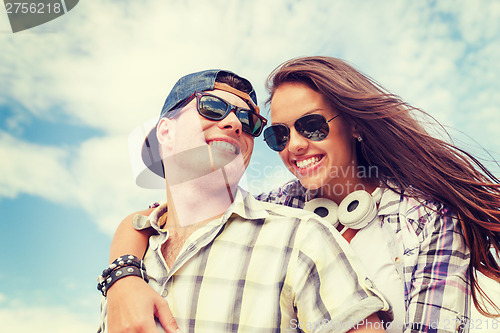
<point x="313" y="127"/>
<point x="215" y="108"/>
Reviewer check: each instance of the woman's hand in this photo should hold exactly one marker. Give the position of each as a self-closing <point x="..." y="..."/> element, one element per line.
<point x="132" y="306"/>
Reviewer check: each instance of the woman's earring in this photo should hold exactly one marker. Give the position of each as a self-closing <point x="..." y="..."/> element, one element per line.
<point x="360" y="138"/>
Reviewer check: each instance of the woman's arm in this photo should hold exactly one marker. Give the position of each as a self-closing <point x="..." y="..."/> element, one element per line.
<point x="128" y="240"/>
<point x="131" y="303"/>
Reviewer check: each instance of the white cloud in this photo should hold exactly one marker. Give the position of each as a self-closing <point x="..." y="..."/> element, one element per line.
<point x="477" y="20"/>
<point x="95" y="177"/>
<point x="28" y="318"/>
<point x="104" y="183"/>
<point x="113" y="71"/>
<point x="32" y="169"/>
<point x="480" y="323"/>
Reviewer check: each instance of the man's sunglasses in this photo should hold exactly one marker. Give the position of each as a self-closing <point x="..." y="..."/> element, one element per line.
<point x="313" y="127"/>
<point x="215" y="108"/>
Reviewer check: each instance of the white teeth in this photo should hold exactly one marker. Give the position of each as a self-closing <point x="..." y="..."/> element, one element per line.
<point x="223" y="145"/>
<point x="307" y="163"/>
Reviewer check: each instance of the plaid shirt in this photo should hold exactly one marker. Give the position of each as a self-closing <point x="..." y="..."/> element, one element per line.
<point x="262" y="268"/>
<point x="435" y="265"/>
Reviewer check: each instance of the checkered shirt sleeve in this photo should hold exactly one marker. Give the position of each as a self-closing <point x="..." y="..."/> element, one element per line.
<point x="436" y="289"/>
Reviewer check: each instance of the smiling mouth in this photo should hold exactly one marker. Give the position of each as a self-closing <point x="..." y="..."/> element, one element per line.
<point x="307" y="163"/>
<point x="224" y="145"/>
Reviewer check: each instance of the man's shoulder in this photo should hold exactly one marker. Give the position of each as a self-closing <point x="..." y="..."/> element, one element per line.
<point x="275" y="209"/>
<point x="283" y="217"/>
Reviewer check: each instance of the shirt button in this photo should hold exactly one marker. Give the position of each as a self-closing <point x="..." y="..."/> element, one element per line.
<point x="369" y="283"/>
<point x="164" y="293"/>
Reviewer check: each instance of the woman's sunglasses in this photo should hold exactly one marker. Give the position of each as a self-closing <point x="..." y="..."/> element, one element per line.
<point x="313" y="127"/>
<point x="215" y="108"/>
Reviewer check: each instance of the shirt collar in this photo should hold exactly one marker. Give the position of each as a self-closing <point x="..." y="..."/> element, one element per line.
<point x="389" y="202"/>
<point x="246" y="206"/>
<point x="142" y="222"/>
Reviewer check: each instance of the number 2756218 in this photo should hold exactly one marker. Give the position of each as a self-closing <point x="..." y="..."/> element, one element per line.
<point x="33" y="8"/>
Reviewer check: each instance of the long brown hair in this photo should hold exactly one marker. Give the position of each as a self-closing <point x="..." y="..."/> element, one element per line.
<point x="406" y="155"/>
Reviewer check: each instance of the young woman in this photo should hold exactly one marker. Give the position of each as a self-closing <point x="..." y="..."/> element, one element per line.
<point x="438" y="208"/>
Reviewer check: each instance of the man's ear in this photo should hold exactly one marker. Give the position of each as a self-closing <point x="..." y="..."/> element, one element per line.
<point x="165" y="133"/>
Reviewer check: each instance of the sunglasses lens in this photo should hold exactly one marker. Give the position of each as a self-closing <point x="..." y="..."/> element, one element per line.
<point x="313" y="127"/>
<point x="250" y="122"/>
<point x="212" y="107"/>
<point x="276" y="137"/>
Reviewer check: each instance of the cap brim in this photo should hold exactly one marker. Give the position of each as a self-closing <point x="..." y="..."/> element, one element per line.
<point x="150" y="153"/>
<point x="145" y="158"/>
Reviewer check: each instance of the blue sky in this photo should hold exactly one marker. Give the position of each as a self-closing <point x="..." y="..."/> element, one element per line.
<point x="72" y="90"/>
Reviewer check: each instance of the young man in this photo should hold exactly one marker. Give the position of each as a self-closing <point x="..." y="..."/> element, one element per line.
<point x="224" y="261"/>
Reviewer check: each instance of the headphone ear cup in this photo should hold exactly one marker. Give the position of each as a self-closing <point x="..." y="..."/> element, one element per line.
<point x="327" y="209"/>
<point x="357" y="210"/>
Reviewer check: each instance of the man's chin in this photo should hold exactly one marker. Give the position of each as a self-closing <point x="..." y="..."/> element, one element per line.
<point x="222" y="158"/>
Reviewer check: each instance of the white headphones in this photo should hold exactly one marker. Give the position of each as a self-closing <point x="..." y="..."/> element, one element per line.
<point x="356" y="211"/>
